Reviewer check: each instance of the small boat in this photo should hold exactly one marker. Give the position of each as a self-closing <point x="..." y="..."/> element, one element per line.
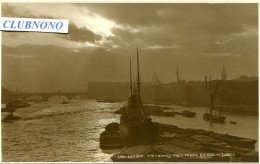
<point x="233" y="122"/>
<point x="209" y="115"/>
<point x="111" y="138"/>
<point x="187" y="113"/>
<point x="235" y="140"/>
<point x="64" y="102"/>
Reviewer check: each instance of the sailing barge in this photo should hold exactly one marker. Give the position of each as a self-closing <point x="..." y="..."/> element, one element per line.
<point x="136" y="127"/>
<point x="209" y="116"/>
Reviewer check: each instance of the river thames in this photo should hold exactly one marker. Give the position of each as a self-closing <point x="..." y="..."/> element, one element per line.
<point x="54" y="132"/>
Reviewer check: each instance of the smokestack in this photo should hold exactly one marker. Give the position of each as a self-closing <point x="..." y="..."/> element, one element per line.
<point x="206" y="81"/>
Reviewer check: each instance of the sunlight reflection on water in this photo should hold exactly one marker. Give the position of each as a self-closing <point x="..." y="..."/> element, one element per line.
<point x="52" y="131"/>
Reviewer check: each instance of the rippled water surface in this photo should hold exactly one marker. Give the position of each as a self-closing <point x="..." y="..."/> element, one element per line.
<point x="58" y="132"/>
<point x="70" y="132"/>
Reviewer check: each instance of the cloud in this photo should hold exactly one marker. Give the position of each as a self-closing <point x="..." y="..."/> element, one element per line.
<point x="162" y="47"/>
<point x="81" y="34"/>
<point x="80" y="17"/>
<point x="85" y="27"/>
<point x="223" y="41"/>
<point x="195" y="26"/>
<point x="248" y="31"/>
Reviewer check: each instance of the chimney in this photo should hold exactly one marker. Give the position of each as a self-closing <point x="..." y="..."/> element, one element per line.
<point x="205" y="81"/>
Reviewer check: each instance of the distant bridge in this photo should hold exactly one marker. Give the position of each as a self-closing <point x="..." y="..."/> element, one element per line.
<point x="46" y="96"/>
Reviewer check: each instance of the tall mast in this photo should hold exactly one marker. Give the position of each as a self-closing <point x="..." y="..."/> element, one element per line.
<point x="210" y="95"/>
<point x="138" y="74"/>
<point x="220" y="110"/>
<point x="131" y="88"/>
<point x="178" y="78"/>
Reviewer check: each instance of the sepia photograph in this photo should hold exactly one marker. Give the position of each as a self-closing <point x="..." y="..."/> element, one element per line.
<point x="129" y="82"/>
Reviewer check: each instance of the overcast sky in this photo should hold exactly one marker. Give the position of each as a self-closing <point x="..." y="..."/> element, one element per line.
<point x="197" y="38"/>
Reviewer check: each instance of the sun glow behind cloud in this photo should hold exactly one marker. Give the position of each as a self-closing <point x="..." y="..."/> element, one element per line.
<point x="81" y="17"/>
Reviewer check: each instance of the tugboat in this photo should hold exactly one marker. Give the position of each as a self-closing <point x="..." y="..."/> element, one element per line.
<point x="209" y="116"/>
<point x="136" y="127"/>
<point x="64" y="102"/>
<point x="10" y="116"/>
<point x="110" y="138"/>
<point x="11" y="106"/>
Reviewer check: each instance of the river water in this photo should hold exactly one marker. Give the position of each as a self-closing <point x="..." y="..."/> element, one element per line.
<point x="54" y="132"/>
